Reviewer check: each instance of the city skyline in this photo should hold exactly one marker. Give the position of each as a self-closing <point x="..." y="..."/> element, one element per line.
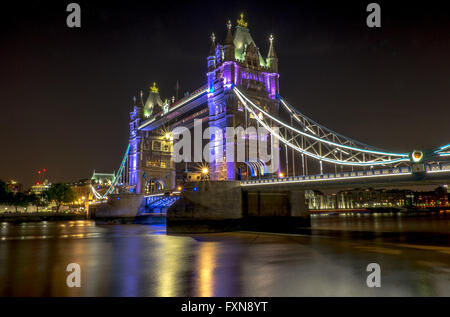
<point x="64" y="112"/>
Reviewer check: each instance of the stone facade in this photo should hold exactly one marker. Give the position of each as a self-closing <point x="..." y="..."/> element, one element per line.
<point x="237" y="63"/>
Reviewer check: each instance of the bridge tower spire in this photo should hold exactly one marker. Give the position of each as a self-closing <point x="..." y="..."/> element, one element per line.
<point x="272" y="59"/>
<point x="228" y="48"/>
<point x="212" y="53"/>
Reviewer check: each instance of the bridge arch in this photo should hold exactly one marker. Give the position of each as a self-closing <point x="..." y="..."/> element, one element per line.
<point x="154" y="185"/>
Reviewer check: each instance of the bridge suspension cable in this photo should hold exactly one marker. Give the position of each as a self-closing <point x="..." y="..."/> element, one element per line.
<point x="116" y="179"/>
<point x="318" y="142"/>
<point x="443" y="150"/>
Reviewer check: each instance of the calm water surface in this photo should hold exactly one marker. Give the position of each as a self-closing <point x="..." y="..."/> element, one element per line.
<point x="141" y="260"/>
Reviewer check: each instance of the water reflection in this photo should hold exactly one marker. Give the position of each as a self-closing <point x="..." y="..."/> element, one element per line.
<point x="207" y="253"/>
<point x="170" y="255"/>
<point x="141" y="260"/>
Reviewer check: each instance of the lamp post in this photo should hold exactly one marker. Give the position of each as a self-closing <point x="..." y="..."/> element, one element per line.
<point x="205" y="173"/>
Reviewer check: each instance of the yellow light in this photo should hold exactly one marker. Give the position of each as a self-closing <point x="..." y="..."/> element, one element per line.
<point x="205" y="170"/>
<point x="167" y="135"/>
<point x="241" y="21"/>
<point x="179" y="188"/>
<point x="154" y="88"/>
<point x="280" y="175"/>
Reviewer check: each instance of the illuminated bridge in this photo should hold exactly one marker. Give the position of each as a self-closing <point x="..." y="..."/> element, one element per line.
<point x="292" y="153"/>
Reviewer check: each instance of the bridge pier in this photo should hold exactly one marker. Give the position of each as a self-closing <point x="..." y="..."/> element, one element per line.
<point x="122" y="208"/>
<point x="225" y="206"/>
<point x="275" y="210"/>
<point x="206" y="207"/>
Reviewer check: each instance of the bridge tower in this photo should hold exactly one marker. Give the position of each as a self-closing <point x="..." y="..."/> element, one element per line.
<point x="151" y="166"/>
<point x="238" y="63"/>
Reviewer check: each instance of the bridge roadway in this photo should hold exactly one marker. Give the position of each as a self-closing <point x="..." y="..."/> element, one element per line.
<point x="389" y="177"/>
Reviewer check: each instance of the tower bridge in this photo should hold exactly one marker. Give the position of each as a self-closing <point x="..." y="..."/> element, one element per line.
<point x="242" y="90"/>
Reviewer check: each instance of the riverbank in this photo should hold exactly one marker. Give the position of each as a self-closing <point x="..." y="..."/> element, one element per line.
<point x="18" y="217"/>
<point x="381" y="210"/>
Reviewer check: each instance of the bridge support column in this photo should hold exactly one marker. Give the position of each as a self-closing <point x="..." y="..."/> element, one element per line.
<point x="276" y="210"/>
<point x="206" y="207"/>
<point x="297" y="203"/>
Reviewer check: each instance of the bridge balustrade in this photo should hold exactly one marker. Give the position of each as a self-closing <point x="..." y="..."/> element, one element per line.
<point x="389" y="171"/>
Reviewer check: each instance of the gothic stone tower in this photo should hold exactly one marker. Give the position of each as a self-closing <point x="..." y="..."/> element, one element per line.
<point x="238" y="62"/>
<point x="151" y="166"/>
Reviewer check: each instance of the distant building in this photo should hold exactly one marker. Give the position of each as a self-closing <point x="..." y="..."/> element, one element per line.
<point x="359" y="198"/>
<point x="102" y="178"/>
<point x="14" y="186"/>
<point x="82" y="190"/>
<point x="39" y="187"/>
<point x="437" y="198"/>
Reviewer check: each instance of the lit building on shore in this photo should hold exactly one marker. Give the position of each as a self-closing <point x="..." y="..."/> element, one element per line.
<point x="378" y="198"/>
<point x="40" y="187"/>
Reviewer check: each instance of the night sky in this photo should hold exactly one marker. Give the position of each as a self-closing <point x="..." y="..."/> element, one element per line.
<point x="66" y="93"/>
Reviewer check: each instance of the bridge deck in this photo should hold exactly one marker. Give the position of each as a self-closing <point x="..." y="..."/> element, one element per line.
<point x="434" y="174"/>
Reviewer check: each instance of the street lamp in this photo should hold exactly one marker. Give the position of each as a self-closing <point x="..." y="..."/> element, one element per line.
<point x="205" y="172"/>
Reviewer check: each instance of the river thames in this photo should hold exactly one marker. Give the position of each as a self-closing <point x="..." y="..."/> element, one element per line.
<point x="142" y="260"/>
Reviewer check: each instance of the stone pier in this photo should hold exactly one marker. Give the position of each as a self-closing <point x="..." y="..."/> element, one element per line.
<point x="226" y="206"/>
<point x="122" y="208"/>
<point x="207" y="207"/>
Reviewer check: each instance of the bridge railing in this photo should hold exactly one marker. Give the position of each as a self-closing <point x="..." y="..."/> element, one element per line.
<point x="435" y="168"/>
<point x="405" y="170"/>
<point x="331" y="176"/>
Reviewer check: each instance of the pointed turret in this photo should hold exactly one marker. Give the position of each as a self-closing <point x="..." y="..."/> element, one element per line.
<point x="228" y="48"/>
<point x="137" y="107"/>
<point x="211" y="59"/>
<point x="154" y="104"/>
<point x="229" y="37"/>
<point x="212" y="49"/>
<point x="272" y="59"/>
